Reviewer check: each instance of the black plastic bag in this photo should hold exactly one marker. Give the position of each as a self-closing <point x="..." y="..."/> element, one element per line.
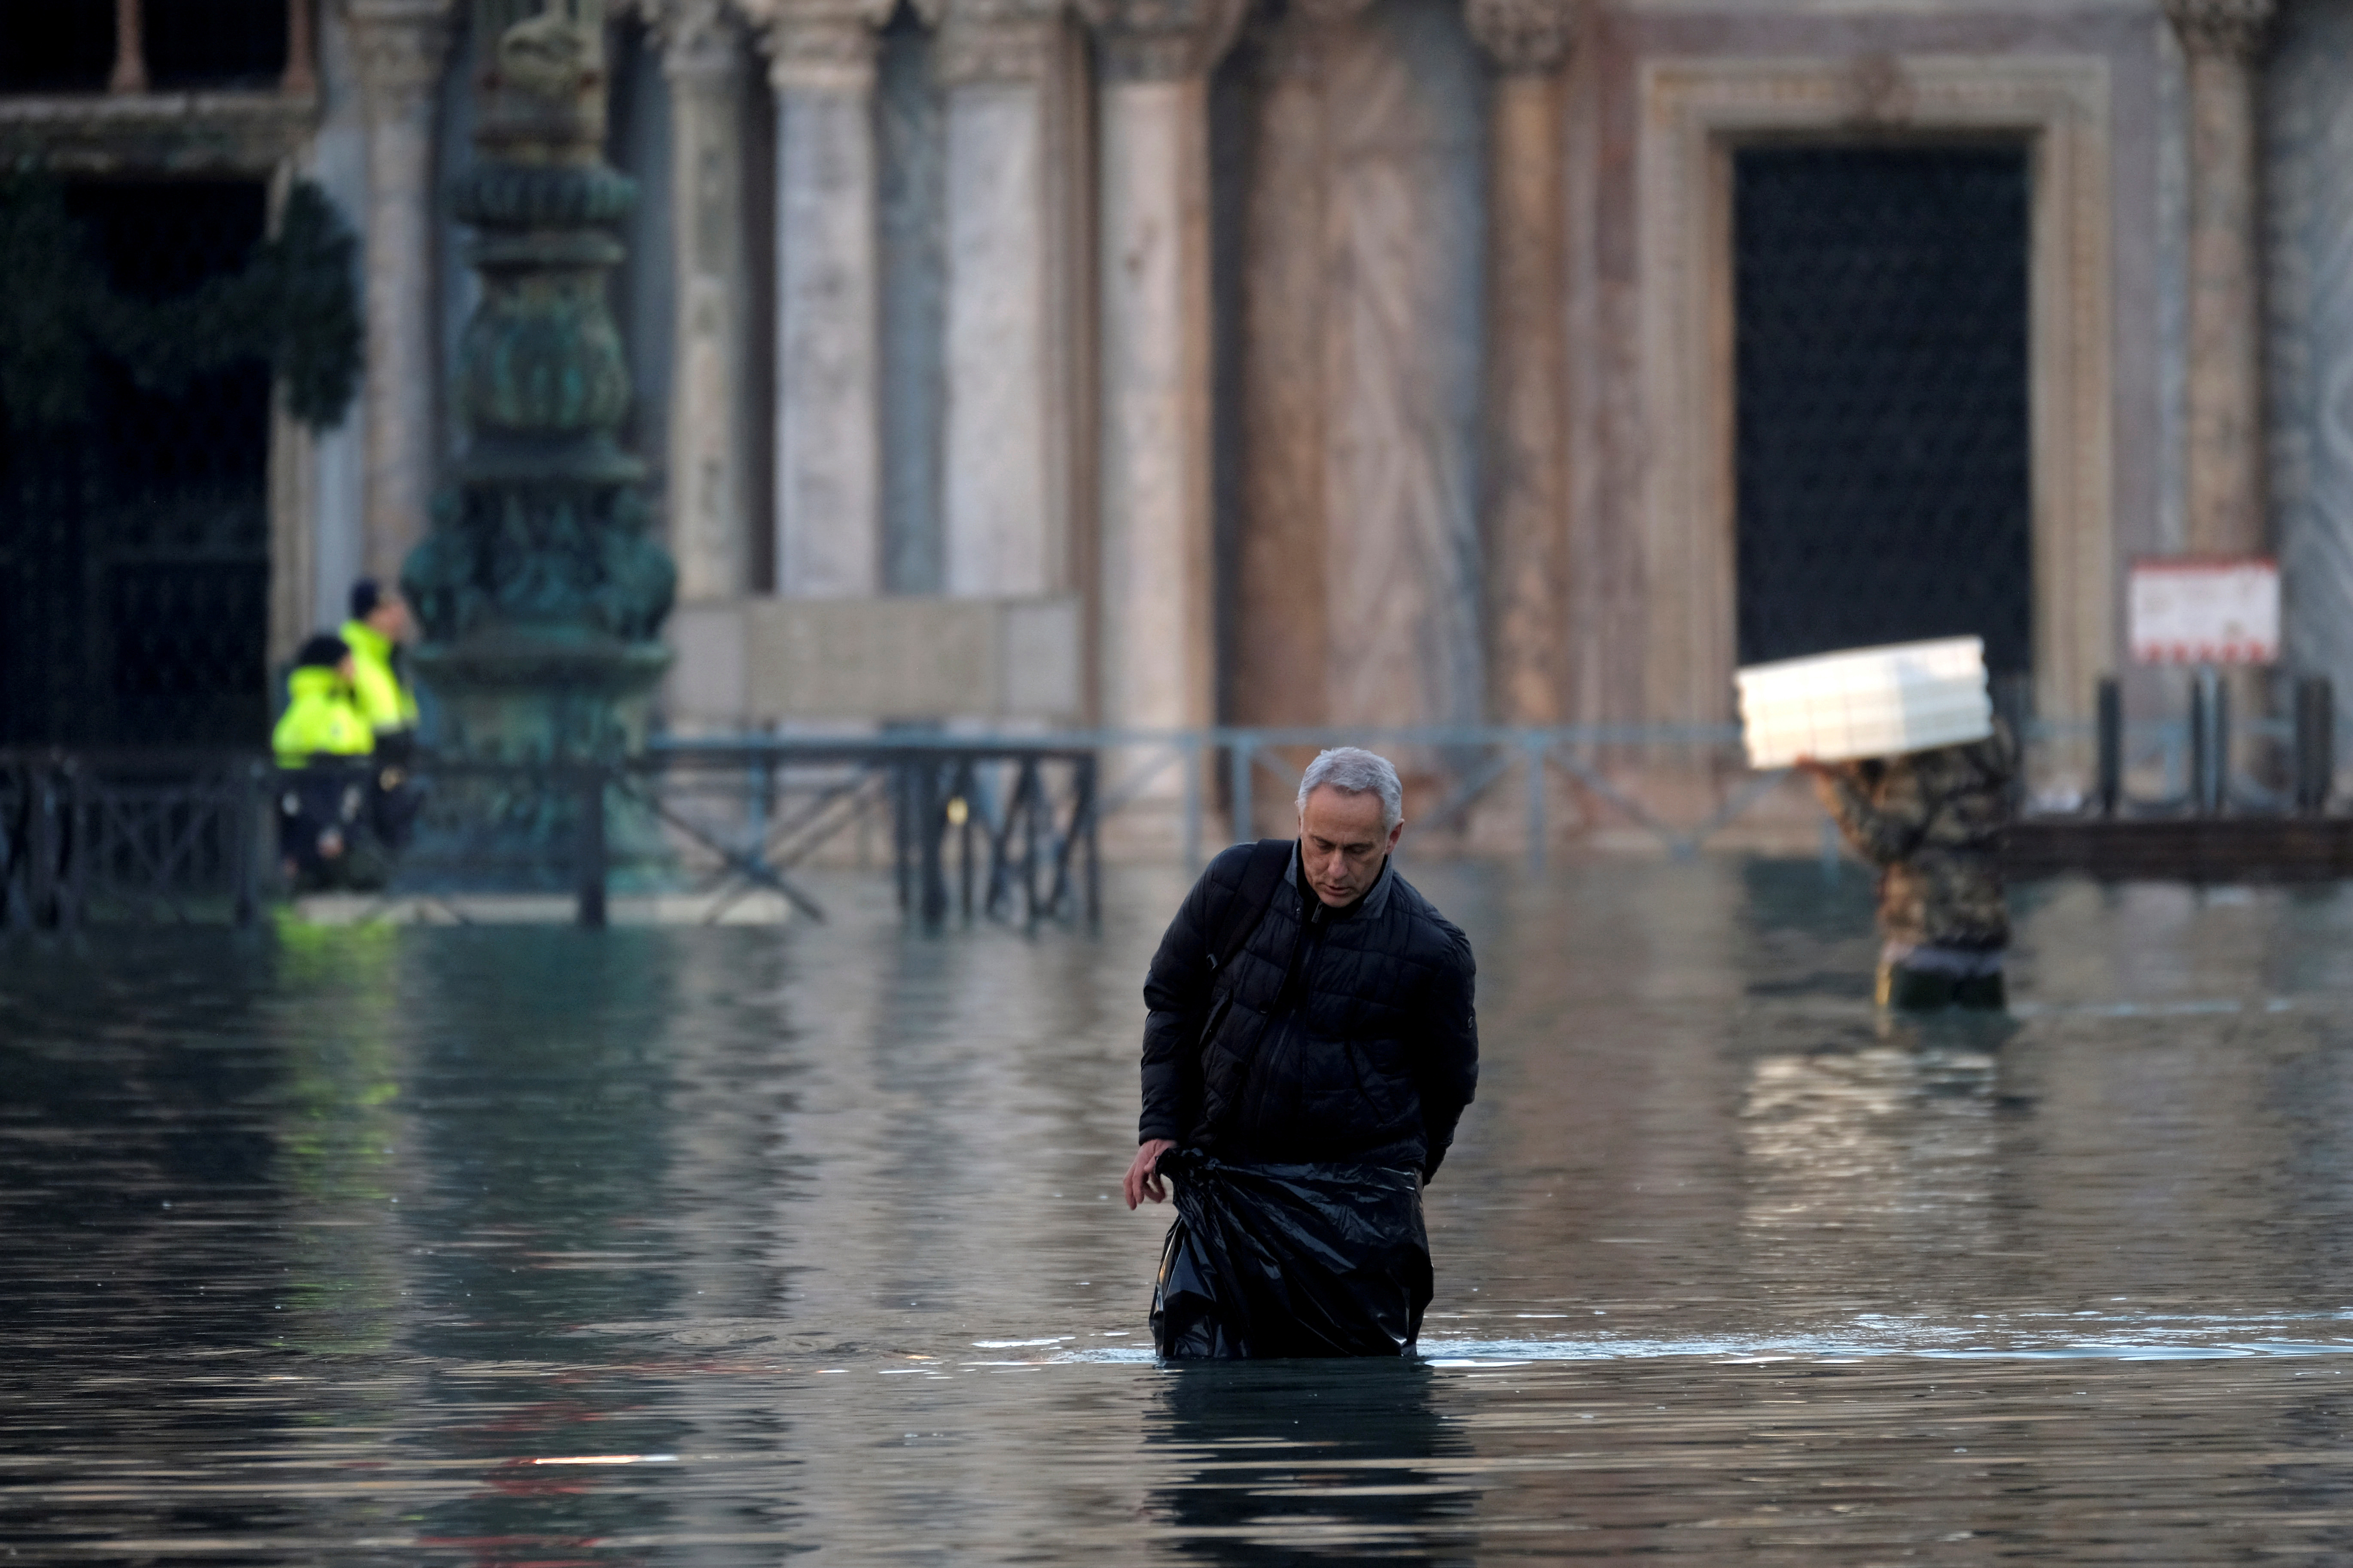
<point x="1290" y="1260"/>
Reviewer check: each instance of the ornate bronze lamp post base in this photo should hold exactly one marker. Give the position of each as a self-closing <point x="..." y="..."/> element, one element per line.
<point x="540" y="597"/>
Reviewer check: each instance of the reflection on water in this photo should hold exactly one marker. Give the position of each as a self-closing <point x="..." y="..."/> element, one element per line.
<point x="1278" y="1460"/>
<point x="707" y="1247"/>
<point x="1891" y="1148"/>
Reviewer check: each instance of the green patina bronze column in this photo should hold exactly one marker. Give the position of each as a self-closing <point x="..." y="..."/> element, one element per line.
<point x="540" y="596"/>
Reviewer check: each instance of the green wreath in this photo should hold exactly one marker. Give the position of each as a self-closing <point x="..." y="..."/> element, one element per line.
<point x="292" y="304"/>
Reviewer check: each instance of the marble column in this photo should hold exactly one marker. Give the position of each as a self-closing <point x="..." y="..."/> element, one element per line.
<point x="1361" y="575"/>
<point x="1279" y="608"/>
<point x="2221" y="42"/>
<point x="1155" y="514"/>
<point x="399" y="48"/>
<point x="1405" y="129"/>
<point x="1525" y="499"/>
<point x="1006" y="510"/>
<point x="709" y="488"/>
<point x="828" y="436"/>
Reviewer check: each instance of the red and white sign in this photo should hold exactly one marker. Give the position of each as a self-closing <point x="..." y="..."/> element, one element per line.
<point x="2205" y="609"/>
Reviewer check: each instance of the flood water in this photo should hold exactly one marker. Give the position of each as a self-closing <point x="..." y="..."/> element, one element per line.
<point x="483" y="1246"/>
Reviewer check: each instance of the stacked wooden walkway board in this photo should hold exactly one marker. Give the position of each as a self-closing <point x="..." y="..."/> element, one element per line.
<point x="2186" y="849"/>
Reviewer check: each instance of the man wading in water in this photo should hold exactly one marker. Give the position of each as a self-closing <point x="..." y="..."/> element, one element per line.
<point x="1310" y="1048"/>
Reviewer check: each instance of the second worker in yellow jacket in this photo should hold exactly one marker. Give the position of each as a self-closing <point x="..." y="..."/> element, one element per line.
<point x="380" y="689"/>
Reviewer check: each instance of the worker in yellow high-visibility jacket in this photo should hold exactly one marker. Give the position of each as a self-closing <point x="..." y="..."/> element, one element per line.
<point x="322" y="746"/>
<point x="380" y="689"/>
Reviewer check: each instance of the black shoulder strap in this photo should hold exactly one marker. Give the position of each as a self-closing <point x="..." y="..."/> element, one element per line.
<point x="1261" y="878"/>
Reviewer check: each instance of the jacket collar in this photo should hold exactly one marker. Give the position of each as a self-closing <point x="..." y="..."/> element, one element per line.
<point x="313" y="680"/>
<point x="363" y="638"/>
<point x="1375" y="898"/>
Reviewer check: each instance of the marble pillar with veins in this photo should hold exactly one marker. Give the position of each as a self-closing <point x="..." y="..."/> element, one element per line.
<point x="911" y="179"/>
<point x="828" y="439"/>
<point x="1526" y="489"/>
<point x="2309" y="145"/>
<point x="1157" y="618"/>
<point x="1404" y="281"/>
<point x="401" y="49"/>
<point x="2222" y="43"/>
<point x="1278" y="674"/>
<point x="711" y="437"/>
<point x="1006" y="505"/>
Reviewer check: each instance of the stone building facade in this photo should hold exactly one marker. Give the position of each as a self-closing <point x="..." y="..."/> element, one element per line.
<point x="1156" y="363"/>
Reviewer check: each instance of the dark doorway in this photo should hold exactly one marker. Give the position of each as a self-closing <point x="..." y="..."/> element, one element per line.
<point x="1880" y="302"/>
<point x="135" y="542"/>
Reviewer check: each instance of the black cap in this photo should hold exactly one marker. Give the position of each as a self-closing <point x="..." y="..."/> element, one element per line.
<point x="322" y="652"/>
<point x="365" y="597"/>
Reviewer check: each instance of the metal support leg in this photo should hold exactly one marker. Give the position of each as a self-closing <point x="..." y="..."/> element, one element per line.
<point x="1089" y="785"/>
<point x="2219" y="755"/>
<point x="1190" y="750"/>
<point x="2202" y="690"/>
<point x="1532" y="748"/>
<point x="967" y="782"/>
<point x="1243" y="762"/>
<point x="2316" y="744"/>
<point x="2111" y="788"/>
<point x="245" y="801"/>
<point x="902" y="818"/>
<point x="41" y="806"/>
<point x="590" y="781"/>
<point x="931" y="821"/>
<point x="1032" y="791"/>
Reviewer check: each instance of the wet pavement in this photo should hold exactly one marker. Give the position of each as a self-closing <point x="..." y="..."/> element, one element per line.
<point x="500" y="1246"/>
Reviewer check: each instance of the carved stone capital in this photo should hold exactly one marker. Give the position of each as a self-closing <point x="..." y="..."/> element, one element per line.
<point x="823" y="45"/>
<point x="1293" y="45"/>
<point x="1162" y="41"/>
<point x="699" y="39"/>
<point x="399" y="49"/>
<point x="997" y="40"/>
<point x="2236" y="30"/>
<point x="1531" y="36"/>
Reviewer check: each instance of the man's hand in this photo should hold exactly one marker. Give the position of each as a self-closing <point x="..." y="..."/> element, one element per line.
<point x="1142" y="1182"/>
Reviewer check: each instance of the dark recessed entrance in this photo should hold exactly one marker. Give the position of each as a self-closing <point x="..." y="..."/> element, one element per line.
<point x="1881" y="442"/>
<point x="135" y="540"/>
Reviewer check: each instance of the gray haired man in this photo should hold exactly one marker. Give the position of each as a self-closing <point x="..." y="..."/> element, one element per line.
<point x="1310" y="1048"/>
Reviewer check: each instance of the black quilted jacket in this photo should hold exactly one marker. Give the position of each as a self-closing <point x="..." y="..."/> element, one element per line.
<point x="1333" y="1036"/>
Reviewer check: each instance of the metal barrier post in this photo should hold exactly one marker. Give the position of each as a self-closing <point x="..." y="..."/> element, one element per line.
<point x="2202" y="691"/>
<point x="245" y="801"/>
<point x="1189" y="749"/>
<point x="931" y="819"/>
<point x="13" y="863"/>
<point x="2111" y="788"/>
<point x="2316" y="744"/>
<point x="1089" y="784"/>
<point x="1028" y="795"/>
<point x="1533" y="746"/>
<point x="2218" y="755"/>
<point x="1243" y="760"/>
<point x="903" y="819"/>
<point x="75" y="841"/>
<point x="967" y="786"/>
<point x="41" y="842"/>
<point x="591" y="782"/>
